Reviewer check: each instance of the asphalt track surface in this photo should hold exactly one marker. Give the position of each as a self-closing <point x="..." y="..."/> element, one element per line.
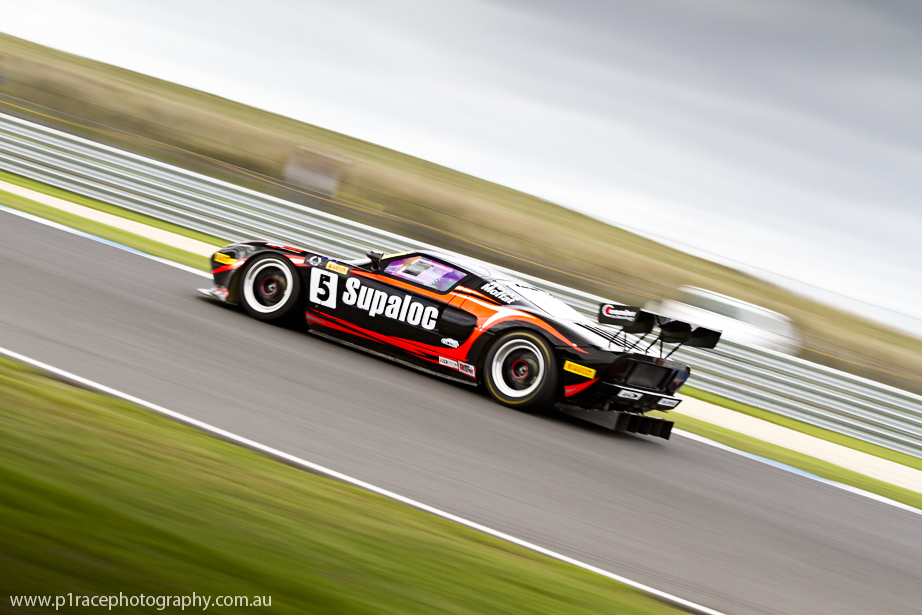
<point x="701" y="523"/>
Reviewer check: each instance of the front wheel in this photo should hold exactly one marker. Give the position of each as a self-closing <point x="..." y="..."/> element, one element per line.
<point x="520" y="371"/>
<point x="271" y="288"/>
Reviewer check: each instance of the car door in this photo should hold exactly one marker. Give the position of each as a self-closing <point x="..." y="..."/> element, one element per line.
<point x="402" y="304"/>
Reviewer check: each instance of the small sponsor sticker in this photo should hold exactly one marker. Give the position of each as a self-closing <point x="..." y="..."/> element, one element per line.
<point x="224" y="259"/>
<point x="465" y="368"/>
<point x="630" y="394"/>
<point x="668" y="402"/>
<point x="576" y="368"/>
<point x="337" y="267"/>
<point x="314" y="260"/>
<point x="499" y="292"/>
<point x="450" y="342"/>
<point x="620" y="312"/>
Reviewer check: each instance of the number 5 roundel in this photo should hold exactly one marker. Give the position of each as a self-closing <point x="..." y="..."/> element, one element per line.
<point x="323" y="287"/>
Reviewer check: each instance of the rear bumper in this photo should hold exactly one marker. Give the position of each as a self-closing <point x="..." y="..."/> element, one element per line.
<point x="637" y="398"/>
<point x="625" y="422"/>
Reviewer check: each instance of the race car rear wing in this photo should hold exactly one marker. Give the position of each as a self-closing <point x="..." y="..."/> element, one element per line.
<point x="637" y="321"/>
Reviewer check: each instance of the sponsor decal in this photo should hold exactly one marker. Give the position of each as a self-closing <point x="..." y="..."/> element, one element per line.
<point x="668" y="402"/>
<point x="621" y="313"/>
<point x="451" y="343"/>
<point x="224" y="259"/>
<point x="314" y="260"/>
<point x="630" y="394"/>
<point x="398" y="307"/>
<point x="495" y="290"/>
<point x="465" y="368"/>
<point x="337" y="267"/>
<point x="448" y="362"/>
<point x="576" y="368"/>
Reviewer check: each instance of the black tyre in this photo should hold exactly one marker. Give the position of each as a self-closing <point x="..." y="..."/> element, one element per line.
<point x="270" y="289"/>
<point x="520" y="371"/>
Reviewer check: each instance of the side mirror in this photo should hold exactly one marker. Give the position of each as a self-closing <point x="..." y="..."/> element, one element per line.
<point x="375" y="259"/>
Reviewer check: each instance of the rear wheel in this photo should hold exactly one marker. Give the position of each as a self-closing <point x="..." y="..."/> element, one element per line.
<point x="520" y="371"/>
<point x="271" y="288"/>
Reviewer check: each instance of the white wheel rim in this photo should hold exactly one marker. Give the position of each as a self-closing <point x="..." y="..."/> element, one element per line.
<point x="512" y="352"/>
<point x="253" y="274"/>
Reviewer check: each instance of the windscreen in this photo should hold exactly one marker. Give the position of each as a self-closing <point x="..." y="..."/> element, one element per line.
<point x="425" y="271"/>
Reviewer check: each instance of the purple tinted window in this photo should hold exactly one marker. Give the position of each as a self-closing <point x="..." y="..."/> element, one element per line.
<point x="430" y="273"/>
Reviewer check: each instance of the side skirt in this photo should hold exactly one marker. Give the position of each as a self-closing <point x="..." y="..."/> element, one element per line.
<point x="392" y="358"/>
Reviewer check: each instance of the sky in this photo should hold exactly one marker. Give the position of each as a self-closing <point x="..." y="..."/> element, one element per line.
<point x="783" y="138"/>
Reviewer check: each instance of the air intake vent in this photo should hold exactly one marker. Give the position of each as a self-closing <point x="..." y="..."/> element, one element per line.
<point x="649" y="376"/>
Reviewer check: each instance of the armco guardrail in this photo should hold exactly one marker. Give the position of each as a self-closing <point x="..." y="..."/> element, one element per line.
<point x="776" y="382"/>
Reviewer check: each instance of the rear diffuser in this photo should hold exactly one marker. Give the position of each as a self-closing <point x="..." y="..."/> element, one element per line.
<point x="625" y="422"/>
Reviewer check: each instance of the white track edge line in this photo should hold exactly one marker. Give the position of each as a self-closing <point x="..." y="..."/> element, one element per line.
<point x="700" y="439"/>
<point x="114" y="244"/>
<point x="357" y="482"/>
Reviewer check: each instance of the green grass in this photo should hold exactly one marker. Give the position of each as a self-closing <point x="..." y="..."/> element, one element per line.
<point x="101" y="497"/>
<point x="404" y="194"/>
<point x="104" y="231"/>
<point x="810" y="430"/>
<point x="804" y="462"/>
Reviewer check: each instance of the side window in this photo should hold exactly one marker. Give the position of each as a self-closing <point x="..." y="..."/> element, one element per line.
<point x="427" y="272"/>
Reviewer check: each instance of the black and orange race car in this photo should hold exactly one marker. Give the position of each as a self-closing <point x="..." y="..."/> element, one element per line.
<point x="462" y="320"/>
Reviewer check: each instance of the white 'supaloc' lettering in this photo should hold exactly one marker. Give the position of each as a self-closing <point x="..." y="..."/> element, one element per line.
<point x="379" y="302"/>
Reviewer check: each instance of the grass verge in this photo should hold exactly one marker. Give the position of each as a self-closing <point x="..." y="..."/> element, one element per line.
<point x="104" y="231"/>
<point x="810" y="430"/>
<point x="101" y="496"/>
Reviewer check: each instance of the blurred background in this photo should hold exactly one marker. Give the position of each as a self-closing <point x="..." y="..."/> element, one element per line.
<point x="662" y="153"/>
